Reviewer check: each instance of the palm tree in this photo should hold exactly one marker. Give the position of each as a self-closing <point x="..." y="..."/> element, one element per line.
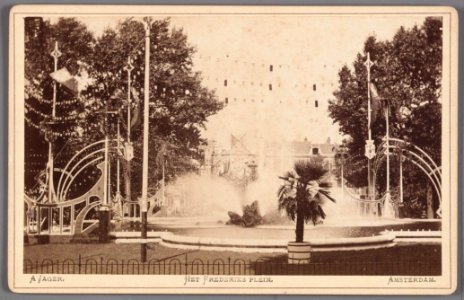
<point x="303" y="191"/>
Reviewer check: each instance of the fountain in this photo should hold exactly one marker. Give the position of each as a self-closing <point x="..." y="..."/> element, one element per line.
<point x="200" y="208"/>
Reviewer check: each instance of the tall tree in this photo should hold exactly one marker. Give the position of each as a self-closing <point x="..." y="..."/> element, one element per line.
<point x="407" y="75"/>
<point x="179" y="103"/>
<point x="75" y="43"/>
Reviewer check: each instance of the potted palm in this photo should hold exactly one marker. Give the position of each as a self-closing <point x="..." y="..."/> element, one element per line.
<point x="300" y="196"/>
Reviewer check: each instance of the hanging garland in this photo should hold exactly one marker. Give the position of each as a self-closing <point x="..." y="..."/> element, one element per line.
<point x="49" y="132"/>
<point x="31" y="108"/>
<point x="43" y="115"/>
<point x="58" y="103"/>
<point x="30" y="123"/>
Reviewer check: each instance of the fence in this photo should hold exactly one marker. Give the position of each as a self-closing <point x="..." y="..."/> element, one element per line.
<point x="182" y="266"/>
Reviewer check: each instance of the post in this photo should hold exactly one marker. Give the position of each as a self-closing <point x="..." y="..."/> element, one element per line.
<point x="163" y="182"/>
<point x="51" y="193"/>
<point x="128" y="68"/>
<point x="368" y="65"/>
<point x="401" y="178"/>
<point x="118" y="190"/>
<point x="127" y="175"/>
<point x="110" y="191"/>
<point x="144" y="200"/>
<point x="398" y="210"/>
<point x="387" y="142"/>
<point x="105" y="172"/>
<point x="370" y="187"/>
<point x="118" y="171"/>
<point x="104" y="212"/>
<point x="343" y="183"/>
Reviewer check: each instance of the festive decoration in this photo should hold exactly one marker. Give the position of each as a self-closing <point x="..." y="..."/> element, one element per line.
<point x="68" y="81"/>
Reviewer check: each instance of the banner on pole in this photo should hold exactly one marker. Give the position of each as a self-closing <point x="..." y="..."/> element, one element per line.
<point x="129" y="151"/>
<point x="370" y="149"/>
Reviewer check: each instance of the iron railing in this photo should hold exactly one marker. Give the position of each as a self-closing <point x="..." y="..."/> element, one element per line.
<point x="183" y="266"/>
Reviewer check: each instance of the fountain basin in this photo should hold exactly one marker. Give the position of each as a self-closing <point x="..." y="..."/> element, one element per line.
<point x="208" y="234"/>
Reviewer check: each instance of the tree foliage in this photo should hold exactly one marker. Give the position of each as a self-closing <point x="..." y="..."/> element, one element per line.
<point x="75" y="43"/>
<point x="407" y="73"/>
<point x="179" y="103"/>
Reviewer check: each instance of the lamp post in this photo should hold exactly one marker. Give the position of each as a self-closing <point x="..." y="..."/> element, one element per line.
<point x="144" y="200"/>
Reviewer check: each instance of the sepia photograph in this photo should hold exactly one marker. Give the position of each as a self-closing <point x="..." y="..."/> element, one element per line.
<point x="250" y="150"/>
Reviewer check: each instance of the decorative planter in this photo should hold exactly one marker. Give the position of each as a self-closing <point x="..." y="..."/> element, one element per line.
<point x="299" y="253"/>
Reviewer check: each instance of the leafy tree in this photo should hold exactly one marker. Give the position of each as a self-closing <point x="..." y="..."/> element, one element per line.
<point x="302" y="193"/>
<point x="179" y="103"/>
<point x="75" y="43"/>
<point x="407" y="74"/>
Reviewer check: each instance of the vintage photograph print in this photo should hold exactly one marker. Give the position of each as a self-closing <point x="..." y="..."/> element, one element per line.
<point x="233" y="149"/>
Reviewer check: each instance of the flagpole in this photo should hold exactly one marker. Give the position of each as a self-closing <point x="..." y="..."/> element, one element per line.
<point x="128" y="68"/>
<point x="105" y="170"/>
<point x="118" y="167"/>
<point x="387" y="137"/>
<point x="163" y="182"/>
<point x="51" y="193"/>
<point x="401" y="177"/>
<point x="144" y="200"/>
<point x="369" y="120"/>
<point x="368" y="62"/>
<point x="343" y="184"/>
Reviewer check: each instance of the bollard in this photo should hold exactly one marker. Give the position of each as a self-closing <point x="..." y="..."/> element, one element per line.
<point x="104" y="224"/>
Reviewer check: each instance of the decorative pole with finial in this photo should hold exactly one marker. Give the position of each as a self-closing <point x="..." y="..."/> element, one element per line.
<point x="56" y="53"/>
<point x="144" y="200"/>
<point x="128" y="146"/>
<point x="370" y="147"/>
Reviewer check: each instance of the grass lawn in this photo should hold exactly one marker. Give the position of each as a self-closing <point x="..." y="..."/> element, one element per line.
<point x="412" y="252"/>
<point x="414" y="259"/>
<point x="128" y="251"/>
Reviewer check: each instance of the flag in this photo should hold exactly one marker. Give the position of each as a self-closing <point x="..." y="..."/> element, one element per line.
<point x="63" y="77"/>
<point x="233" y="140"/>
<point x="376" y="105"/>
<point x="136" y="119"/>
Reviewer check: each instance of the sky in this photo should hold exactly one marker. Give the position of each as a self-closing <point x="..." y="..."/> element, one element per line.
<point x="303" y="50"/>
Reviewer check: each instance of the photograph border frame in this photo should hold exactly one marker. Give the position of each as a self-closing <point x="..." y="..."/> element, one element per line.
<point x="453" y="97"/>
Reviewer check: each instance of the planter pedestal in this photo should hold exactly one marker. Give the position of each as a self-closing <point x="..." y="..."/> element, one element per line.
<point x="299" y="253"/>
